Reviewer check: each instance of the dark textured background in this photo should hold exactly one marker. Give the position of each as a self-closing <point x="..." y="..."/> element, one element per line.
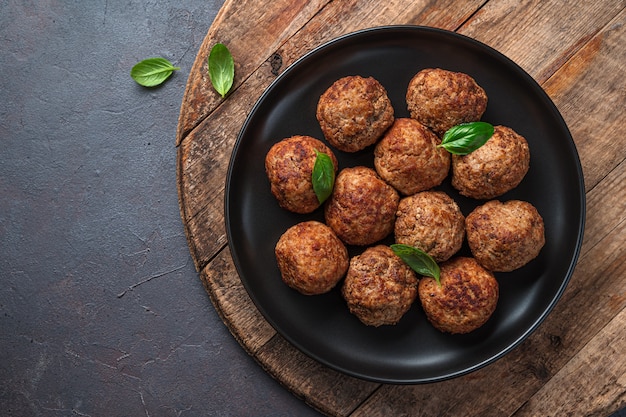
<point x="101" y="310"/>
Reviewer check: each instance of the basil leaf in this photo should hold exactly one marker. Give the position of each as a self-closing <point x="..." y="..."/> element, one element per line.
<point x="466" y="137"/>
<point x="418" y="260"/>
<point x="323" y="176"/>
<point x="221" y="69"/>
<point x="152" y="71"/>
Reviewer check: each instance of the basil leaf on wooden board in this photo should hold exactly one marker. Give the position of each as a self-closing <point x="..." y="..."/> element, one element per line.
<point x="418" y="260"/>
<point x="221" y="69"/>
<point x="466" y="137"/>
<point x="152" y="71"/>
<point x="323" y="176"/>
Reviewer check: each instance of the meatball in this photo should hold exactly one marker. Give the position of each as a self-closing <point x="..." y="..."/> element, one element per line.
<point x="289" y="166"/>
<point x="493" y="169"/>
<point x="464" y="301"/>
<point x="431" y="221"/>
<point x="362" y="208"/>
<point x="379" y="287"/>
<point x="505" y="236"/>
<point x="354" y="112"/>
<point x="441" y="99"/>
<point x="407" y="157"/>
<point x="311" y="259"/>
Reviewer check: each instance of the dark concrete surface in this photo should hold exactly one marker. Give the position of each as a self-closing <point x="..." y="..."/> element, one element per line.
<point x="101" y="310"/>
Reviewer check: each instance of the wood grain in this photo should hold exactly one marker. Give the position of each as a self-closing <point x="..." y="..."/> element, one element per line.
<point x="593" y="382"/>
<point x="600" y="368"/>
<point x="590" y="93"/>
<point x="251" y="33"/>
<point x="329" y="391"/>
<point x="573" y="364"/>
<point x="540" y="36"/>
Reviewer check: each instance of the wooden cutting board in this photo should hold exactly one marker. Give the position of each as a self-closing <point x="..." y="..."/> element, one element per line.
<point x="575" y="363"/>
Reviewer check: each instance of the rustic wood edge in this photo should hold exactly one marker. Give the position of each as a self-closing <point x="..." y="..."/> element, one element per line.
<point x="304" y="377"/>
<point x="196" y="67"/>
<point x="302" y="9"/>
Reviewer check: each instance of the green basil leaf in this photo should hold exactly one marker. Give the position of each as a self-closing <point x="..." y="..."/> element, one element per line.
<point x="221" y="69"/>
<point x="418" y="260"/>
<point x="466" y="137"/>
<point x="323" y="176"/>
<point x="152" y="71"/>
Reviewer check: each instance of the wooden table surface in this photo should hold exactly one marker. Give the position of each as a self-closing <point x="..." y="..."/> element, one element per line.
<point x="575" y="362"/>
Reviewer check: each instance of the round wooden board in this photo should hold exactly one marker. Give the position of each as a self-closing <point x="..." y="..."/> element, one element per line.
<point x="264" y="40"/>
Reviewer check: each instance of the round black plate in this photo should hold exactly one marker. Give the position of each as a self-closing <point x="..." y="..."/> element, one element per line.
<point x="411" y="351"/>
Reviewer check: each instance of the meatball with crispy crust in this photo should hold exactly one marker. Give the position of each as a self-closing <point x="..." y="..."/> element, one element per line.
<point x="441" y="99"/>
<point x="505" y="236"/>
<point x="493" y="169"/>
<point x="354" y="112"/>
<point x="362" y="207"/>
<point x="311" y="258"/>
<point x="431" y="221"/>
<point x="379" y="287"/>
<point x="464" y="301"/>
<point x="407" y="157"/>
<point x="289" y="166"/>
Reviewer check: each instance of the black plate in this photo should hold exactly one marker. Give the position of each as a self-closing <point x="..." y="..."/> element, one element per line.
<point x="411" y="351"/>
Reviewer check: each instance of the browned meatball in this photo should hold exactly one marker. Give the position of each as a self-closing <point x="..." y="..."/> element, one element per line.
<point x="464" y="301"/>
<point x="441" y="99"/>
<point x="407" y="157"/>
<point x="379" y="287"/>
<point x="432" y="222"/>
<point x="311" y="259"/>
<point x="354" y="112"/>
<point x="505" y="236"/>
<point x="289" y="166"/>
<point x="362" y="208"/>
<point x="493" y="169"/>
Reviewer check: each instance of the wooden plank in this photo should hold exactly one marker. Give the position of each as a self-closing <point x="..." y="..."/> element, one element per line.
<point x="600" y="221"/>
<point x="332" y="21"/>
<point x="538" y="35"/>
<point x="593" y="383"/>
<point x="233" y="304"/>
<point x="251" y="31"/>
<point x="329" y="391"/>
<point x="202" y="162"/>
<point x="590" y="91"/>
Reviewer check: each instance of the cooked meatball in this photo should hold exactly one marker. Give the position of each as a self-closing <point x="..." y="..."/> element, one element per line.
<point x="464" y="301"/>
<point x="311" y="259"/>
<point x="362" y="208"/>
<point x="505" y="236"/>
<point x="379" y="287"/>
<point x="354" y="112"/>
<point x="441" y="99"/>
<point x="407" y="157"/>
<point x="493" y="169"/>
<point x="289" y="166"/>
<point x="430" y="221"/>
